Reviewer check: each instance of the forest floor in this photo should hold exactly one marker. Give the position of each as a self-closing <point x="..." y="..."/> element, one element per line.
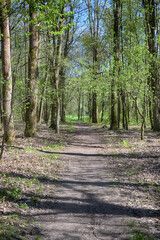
<point x="86" y="183"/>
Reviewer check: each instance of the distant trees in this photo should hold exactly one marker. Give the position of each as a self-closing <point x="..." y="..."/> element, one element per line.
<point x="131" y="38"/>
<point x="95" y="12"/>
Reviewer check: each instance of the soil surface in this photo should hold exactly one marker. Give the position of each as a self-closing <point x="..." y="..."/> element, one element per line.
<point x="91" y="203"/>
<point x="107" y="186"/>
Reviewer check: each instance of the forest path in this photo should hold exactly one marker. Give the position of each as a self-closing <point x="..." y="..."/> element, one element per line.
<point x="89" y="202"/>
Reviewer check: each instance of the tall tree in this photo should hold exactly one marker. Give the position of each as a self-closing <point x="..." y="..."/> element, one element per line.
<point x="114" y="94"/>
<point x="55" y="74"/>
<point x="32" y="91"/>
<point x="7" y="73"/>
<point x="154" y="81"/>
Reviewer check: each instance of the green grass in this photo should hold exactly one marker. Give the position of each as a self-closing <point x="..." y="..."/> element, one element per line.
<point x="30" y="149"/>
<point x="9" y="227"/>
<point x="22" y="206"/>
<point x="52" y="147"/>
<point x="141" y="236"/>
<point x="13" y="190"/>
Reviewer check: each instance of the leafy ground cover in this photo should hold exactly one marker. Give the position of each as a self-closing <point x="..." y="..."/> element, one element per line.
<point x="24" y="167"/>
<point x="136" y="164"/>
<point x="30" y="170"/>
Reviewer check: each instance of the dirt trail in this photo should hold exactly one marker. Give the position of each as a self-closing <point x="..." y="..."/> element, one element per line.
<point x="89" y="203"/>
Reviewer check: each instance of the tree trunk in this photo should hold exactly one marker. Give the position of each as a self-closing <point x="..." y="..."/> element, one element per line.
<point x="128" y="110"/>
<point x="46" y="112"/>
<point x="124" y="107"/>
<point x="90" y="106"/>
<point x="9" y="134"/>
<point x="32" y="91"/>
<point x="63" y="115"/>
<point x="149" y="6"/>
<point x="144" y="107"/>
<point x="136" y="114"/>
<point x="119" y="108"/>
<point x="53" y="98"/>
<point x="94" y="108"/>
<point x="63" y="96"/>
<point x="150" y="113"/>
<point x="1" y="119"/>
<point x="114" y="95"/>
<point x="63" y="70"/>
<point x="53" y="112"/>
<point x="82" y="110"/>
<point x="79" y="104"/>
<point x="141" y="115"/>
<point x="114" y="106"/>
<point x="103" y="107"/>
<point x="56" y="77"/>
<point x="42" y="97"/>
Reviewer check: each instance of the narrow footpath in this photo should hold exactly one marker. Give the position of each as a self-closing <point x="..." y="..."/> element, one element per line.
<point x="88" y="202"/>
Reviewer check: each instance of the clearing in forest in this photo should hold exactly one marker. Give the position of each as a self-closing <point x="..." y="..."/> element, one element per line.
<point x="86" y="183"/>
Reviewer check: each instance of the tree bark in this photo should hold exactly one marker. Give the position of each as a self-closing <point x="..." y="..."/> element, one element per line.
<point x="114" y="94"/>
<point x="150" y="113"/>
<point x="57" y="79"/>
<point x="46" y="112"/>
<point x="141" y="115"/>
<point x="124" y="107"/>
<point x="63" y="96"/>
<point x="32" y="91"/>
<point x="82" y="110"/>
<point x="90" y="106"/>
<point x="103" y="108"/>
<point x="8" y="123"/>
<point x="149" y="6"/>
<point x="42" y="97"/>
<point x="63" y="69"/>
<point x="53" y="98"/>
<point x="79" y="104"/>
<point x="94" y="108"/>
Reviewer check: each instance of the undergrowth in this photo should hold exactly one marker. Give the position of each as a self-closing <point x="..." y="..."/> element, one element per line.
<point x="22" y="185"/>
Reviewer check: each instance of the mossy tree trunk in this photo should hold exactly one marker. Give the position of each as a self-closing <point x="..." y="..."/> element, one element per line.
<point x="32" y="90"/>
<point x="8" y="123"/>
